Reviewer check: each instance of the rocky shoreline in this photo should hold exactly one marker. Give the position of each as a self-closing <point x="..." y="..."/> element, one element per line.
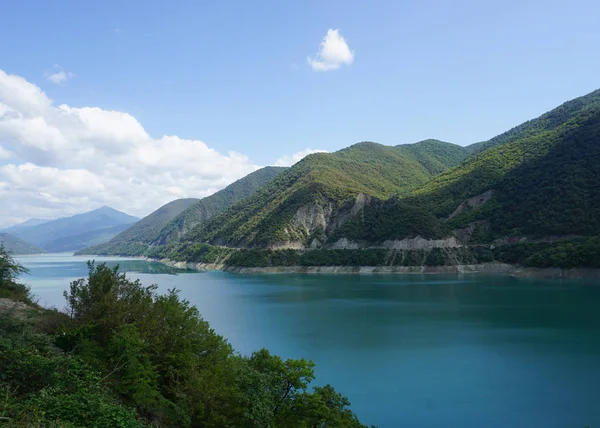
<point x="495" y="268"/>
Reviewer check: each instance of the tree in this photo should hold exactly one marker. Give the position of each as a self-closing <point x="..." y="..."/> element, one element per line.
<point x="10" y="270"/>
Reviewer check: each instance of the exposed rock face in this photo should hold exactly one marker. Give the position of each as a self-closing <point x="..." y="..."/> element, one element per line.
<point x="313" y="216"/>
<point x="344" y="244"/>
<point x="486" y="268"/>
<point x="475" y="203"/>
<point x="17" y="309"/>
<point x="287" y="246"/>
<point x="343" y="215"/>
<point x="325" y="217"/>
<point x="464" y="235"/>
<point x="419" y="243"/>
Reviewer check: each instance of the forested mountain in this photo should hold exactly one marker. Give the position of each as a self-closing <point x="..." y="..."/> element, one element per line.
<point x="78" y="231"/>
<point x="142" y="232"/>
<point x="172" y="220"/>
<point x="15" y="245"/>
<point x="546" y="122"/>
<point x="546" y="183"/>
<point x="215" y="204"/>
<point x="29" y="223"/>
<point x="317" y="194"/>
<point x="530" y="196"/>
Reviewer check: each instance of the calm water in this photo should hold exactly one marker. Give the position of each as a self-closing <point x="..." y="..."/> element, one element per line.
<point x="412" y="351"/>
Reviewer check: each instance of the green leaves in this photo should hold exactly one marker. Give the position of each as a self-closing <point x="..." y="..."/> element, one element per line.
<point x="161" y="358"/>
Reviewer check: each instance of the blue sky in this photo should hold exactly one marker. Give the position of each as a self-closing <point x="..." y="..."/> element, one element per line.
<point x="235" y="74"/>
<point x="224" y="72"/>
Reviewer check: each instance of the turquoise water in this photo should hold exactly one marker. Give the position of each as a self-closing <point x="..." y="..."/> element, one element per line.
<point x="409" y="351"/>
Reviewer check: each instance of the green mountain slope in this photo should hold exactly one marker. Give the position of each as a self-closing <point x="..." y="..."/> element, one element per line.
<point x="138" y="236"/>
<point x="543" y="184"/>
<point x="169" y="222"/>
<point x="532" y="197"/>
<point x="15" y="245"/>
<point x="546" y="122"/>
<point x="320" y="192"/>
<point x="215" y="204"/>
<point x="53" y="235"/>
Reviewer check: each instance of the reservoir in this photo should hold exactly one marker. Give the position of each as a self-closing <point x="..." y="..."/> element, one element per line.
<point x="407" y="350"/>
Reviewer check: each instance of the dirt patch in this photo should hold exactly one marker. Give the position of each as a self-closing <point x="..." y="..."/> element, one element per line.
<point x="474" y="203"/>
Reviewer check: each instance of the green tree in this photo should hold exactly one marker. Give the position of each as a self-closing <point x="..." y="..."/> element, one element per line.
<point x="10" y="271"/>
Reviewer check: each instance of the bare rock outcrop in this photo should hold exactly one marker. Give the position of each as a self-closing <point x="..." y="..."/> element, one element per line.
<point x="475" y="203"/>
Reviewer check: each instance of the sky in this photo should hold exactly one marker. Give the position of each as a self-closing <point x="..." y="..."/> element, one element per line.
<point x="133" y="104"/>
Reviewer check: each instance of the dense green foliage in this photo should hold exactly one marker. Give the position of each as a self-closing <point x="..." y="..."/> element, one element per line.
<point x="436" y="156"/>
<point x="10" y="271"/>
<point x="127" y="356"/>
<point x="574" y="253"/>
<point x="546" y="122"/>
<point x="545" y="184"/>
<point x="329" y="182"/>
<point x="562" y="253"/>
<point x="172" y="220"/>
<point x="540" y="181"/>
<point x="78" y="231"/>
<point x="215" y="204"/>
<point x="42" y="386"/>
<point x="18" y="246"/>
<point x="138" y="236"/>
<point x="388" y="220"/>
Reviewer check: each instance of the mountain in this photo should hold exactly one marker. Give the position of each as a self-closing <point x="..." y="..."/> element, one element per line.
<point x="316" y="195"/>
<point x="545" y="183"/>
<point x="212" y="205"/>
<point x="17" y="246"/>
<point x="172" y="220"/>
<point x="29" y="223"/>
<point x="135" y="239"/>
<point x="540" y="180"/>
<point x="530" y="196"/>
<point x="546" y="122"/>
<point x="78" y="231"/>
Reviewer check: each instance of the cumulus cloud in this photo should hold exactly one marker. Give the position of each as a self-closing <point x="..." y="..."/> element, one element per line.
<point x="65" y="160"/>
<point x="290" y="160"/>
<point x="59" y="76"/>
<point x="333" y="53"/>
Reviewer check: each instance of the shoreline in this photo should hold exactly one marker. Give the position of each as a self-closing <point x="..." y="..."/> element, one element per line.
<point x="485" y="268"/>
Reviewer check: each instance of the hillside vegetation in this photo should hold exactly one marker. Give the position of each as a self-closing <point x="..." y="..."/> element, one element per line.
<point x="319" y="192"/>
<point x="539" y="182"/>
<point x="212" y="205"/>
<point x="142" y="232"/>
<point x="171" y="221"/>
<point x="546" y="122"/>
<point x="126" y="356"/>
<point x="17" y="246"/>
<point x="536" y="186"/>
<point x="543" y="184"/>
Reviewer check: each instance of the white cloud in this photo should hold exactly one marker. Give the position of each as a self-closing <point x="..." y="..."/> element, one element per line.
<point x="333" y="52"/>
<point x="5" y="154"/>
<point x="59" y="76"/>
<point x="67" y="160"/>
<point x="290" y="160"/>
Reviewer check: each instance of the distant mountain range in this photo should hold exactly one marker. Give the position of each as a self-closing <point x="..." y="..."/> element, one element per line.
<point x="173" y="220"/>
<point x="529" y="196"/>
<point x="29" y="223"/>
<point x="75" y="232"/>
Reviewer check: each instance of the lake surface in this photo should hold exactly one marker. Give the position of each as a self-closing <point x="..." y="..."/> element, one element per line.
<point x="408" y="350"/>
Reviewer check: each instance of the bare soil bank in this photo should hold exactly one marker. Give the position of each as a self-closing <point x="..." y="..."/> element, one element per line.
<point x="502" y="268"/>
